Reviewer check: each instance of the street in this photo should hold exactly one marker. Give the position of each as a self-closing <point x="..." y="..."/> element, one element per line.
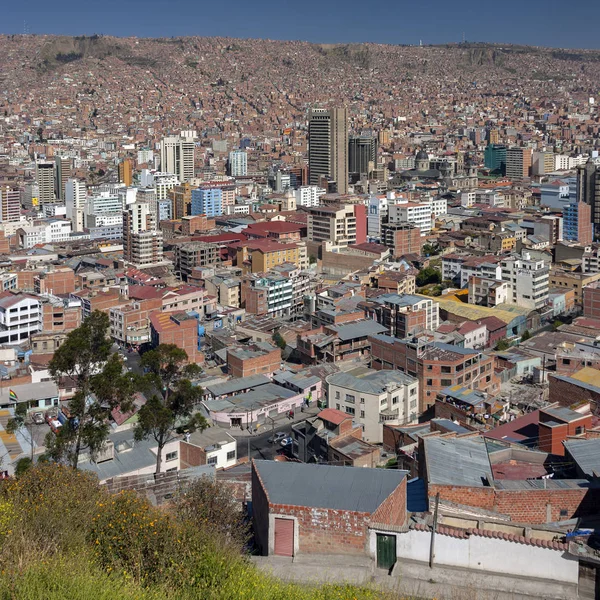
<point x="259" y="446"/>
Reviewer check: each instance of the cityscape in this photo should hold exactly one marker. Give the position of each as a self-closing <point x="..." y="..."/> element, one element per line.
<point x="281" y="319"/>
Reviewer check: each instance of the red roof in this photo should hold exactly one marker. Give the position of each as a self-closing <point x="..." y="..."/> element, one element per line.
<point x="493" y="323"/>
<point x="223" y="237"/>
<point x="333" y="416"/>
<point x="273" y="227"/>
<point x="520" y="430"/>
<point x="144" y="292"/>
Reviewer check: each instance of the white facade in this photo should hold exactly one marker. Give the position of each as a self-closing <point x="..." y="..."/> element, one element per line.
<point x="489" y="270"/>
<point x="308" y="195"/>
<point x="177" y="156"/>
<point x="468" y="199"/>
<point x="238" y="163"/>
<point x="58" y="230"/>
<point x="377" y="210"/>
<point x="104" y="220"/>
<point x="419" y="214"/>
<point x="20" y="316"/>
<point x="104" y="202"/>
<point x="562" y="162"/>
<point x="439" y="206"/>
<point x="161" y="182"/>
<point x="373" y="398"/>
<point x="529" y="281"/>
<point x="145" y="157"/>
<point x="75" y="198"/>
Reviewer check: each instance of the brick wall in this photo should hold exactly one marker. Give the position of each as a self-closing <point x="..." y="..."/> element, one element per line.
<point x="479" y="497"/>
<point x="327" y="531"/>
<point x="260" y="514"/>
<point x="191" y="456"/>
<point x="265" y="364"/>
<point x="392" y="510"/>
<point x="567" y="394"/>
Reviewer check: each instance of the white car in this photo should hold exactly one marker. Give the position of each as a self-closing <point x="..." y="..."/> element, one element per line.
<point x="285" y="442"/>
<point x="277" y="437"/>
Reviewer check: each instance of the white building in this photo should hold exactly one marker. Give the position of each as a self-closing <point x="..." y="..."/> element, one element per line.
<point x="468" y="199"/>
<point x="75" y="199"/>
<point x="529" y="280"/>
<point x="177" y="156"/>
<point x="562" y="162"/>
<point x="53" y="231"/>
<point x="377" y="211"/>
<point x="161" y="182"/>
<point x="439" y="206"/>
<point x="308" y="195"/>
<point x="373" y="398"/>
<point x="419" y="214"/>
<point x="145" y="157"/>
<point x="238" y="163"/>
<point x="20" y="316"/>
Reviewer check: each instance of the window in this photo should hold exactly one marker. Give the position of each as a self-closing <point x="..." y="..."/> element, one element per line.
<point x="429" y="367"/>
<point x="362" y="414"/>
<point x="362" y="400"/>
<point x="350" y="410"/>
<point x="337" y="395"/>
<point x="413" y="392"/>
<point x="446" y="382"/>
<point x="171" y="455"/>
<point x="337" y="406"/>
<point x="579" y="430"/>
<point x="413" y="404"/>
<point x="350" y="399"/>
<point x="395" y="400"/>
<point x="446" y="369"/>
<point x="430" y="382"/>
<point x="231" y="455"/>
<point x="212" y="460"/>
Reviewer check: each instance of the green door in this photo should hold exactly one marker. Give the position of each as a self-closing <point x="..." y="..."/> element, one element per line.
<point x="386" y="551"/>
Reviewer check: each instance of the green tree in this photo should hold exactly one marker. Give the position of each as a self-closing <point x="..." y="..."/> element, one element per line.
<point x="312" y="259"/>
<point x="172" y="400"/>
<point x="23" y="464"/>
<point x="20" y="421"/>
<point x="428" y="275"/>
<point x="97" y="374"/>
<point x="503" y="344"/>
<point x="430" y="249"/>
<point x="556" y="324"/>
<point x="279" y="341"/>
<point x="526" y="335"/>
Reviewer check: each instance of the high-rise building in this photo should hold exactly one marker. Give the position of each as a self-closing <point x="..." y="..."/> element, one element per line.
<point x="207" y="201"/>
<point x="10" y="205"/>
<point x="181" y="200"/>
<point x="177" y="156"/>
<point x="588" y="190"/>
<point x="44" y="177"/>
<point x="238" y="163"/>
<point x="362" y="154"/>
<point x="142" y="241"/>
<point x="495" y="158"/>
<point x="577" y="223"/>
<point x="494" y="136"/>
<point x="518" y="163"/>
<point x="126" y="172"/>
<point x="308" y="195"/>
<point x="543" y="163"/>
<point x="64" y="170"/>
<point x="75" y="197"/>
<point x="342" y="225"/>
<point x="328" y="147"/>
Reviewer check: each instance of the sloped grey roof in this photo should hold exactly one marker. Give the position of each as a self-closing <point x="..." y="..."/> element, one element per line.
<point x="358" y="329"/>
<point x="455" y="461"/>
<point x="586" y="453"/>
<point x="371" y="383"/>
<point x="236" y="385"/>
<point x="325" y="486"/>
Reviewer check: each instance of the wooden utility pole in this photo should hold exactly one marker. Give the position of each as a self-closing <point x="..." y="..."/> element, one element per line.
<point x="433" y="530"/>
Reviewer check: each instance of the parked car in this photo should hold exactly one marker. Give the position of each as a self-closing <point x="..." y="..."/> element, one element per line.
<point x="38" y="418"/>
<point x="277" y="437"/>
<point x="285" y="442"/>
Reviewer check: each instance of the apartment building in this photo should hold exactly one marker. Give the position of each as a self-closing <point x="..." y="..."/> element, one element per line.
<point x="259" y="256"/>
<point x="270" y="295"/>
<point x="195" y="254"/>
<point x="75" y="200"/>
<point x="567" y="280"/>
<point x="374" y="398"/>
<point x="460" y="267"/>
<point x="341" y="225"/>
<point x="308" y="195"/>
<point x="130" y="323"/>
<point x="518" y="163"/>
<point x="403" y="315"/>
<point x="177" y="156"/>
<point x="20" y="316"/>
<point x="10" y="205"/>
<point x="528" y="279"/>
<point x="435" y="365"/>
<point x="142" y="241"/>
<point x="419" y="214"/>
<point x="488" y="292"/>
<point x="177" y="328"/>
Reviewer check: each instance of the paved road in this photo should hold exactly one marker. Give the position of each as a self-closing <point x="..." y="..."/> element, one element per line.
<point x="259" y="446"/>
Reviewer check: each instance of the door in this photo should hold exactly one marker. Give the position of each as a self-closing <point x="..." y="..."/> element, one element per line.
<point x="386" y="551"/>
<point x="284" y="537"/>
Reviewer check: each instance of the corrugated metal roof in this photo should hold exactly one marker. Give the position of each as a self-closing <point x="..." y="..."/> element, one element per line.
<point x="236" y="385"/>
<point x="372" y="382"/>
<point x="358" y="329"/>
<point x="452" y="461"/>
<point x="586" y="453"/>
<point x="325" y="486"/>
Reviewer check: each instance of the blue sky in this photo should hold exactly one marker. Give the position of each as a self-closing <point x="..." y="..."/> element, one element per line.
<point x="536" y="22"/>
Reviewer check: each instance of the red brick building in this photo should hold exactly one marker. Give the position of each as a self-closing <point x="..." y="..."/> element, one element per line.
<point x="261" y="358"/>
<point x="436" y="366"/>
<point x="322" y="509"/>
<point x="402" y="238"/>
<point x="176" y="328"/>
<point x="591" y="301"/>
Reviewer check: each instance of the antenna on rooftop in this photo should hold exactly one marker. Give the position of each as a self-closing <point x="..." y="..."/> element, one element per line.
<point x="464" y="39"/>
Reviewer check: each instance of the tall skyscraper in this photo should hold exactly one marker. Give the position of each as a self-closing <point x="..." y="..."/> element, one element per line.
<point x="75" y="196"/>
<point x="142" y="242"/>
<point x="126" y="171"/>
<point x="177" y="155"/>
<point x="64" y="170"/>
<point x="328" y="147"/>
<point x="588" y="191"/>
<point x="518" y="163"/>
<point x="10" y="205"/>
<point x="495" y="158"/>
<point x="44" y="177"/>
<point x="238" y="163"/>
<point x="362" y="154"/>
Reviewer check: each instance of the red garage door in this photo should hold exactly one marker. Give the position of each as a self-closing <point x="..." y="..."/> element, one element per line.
<point x="284" y="537"/>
